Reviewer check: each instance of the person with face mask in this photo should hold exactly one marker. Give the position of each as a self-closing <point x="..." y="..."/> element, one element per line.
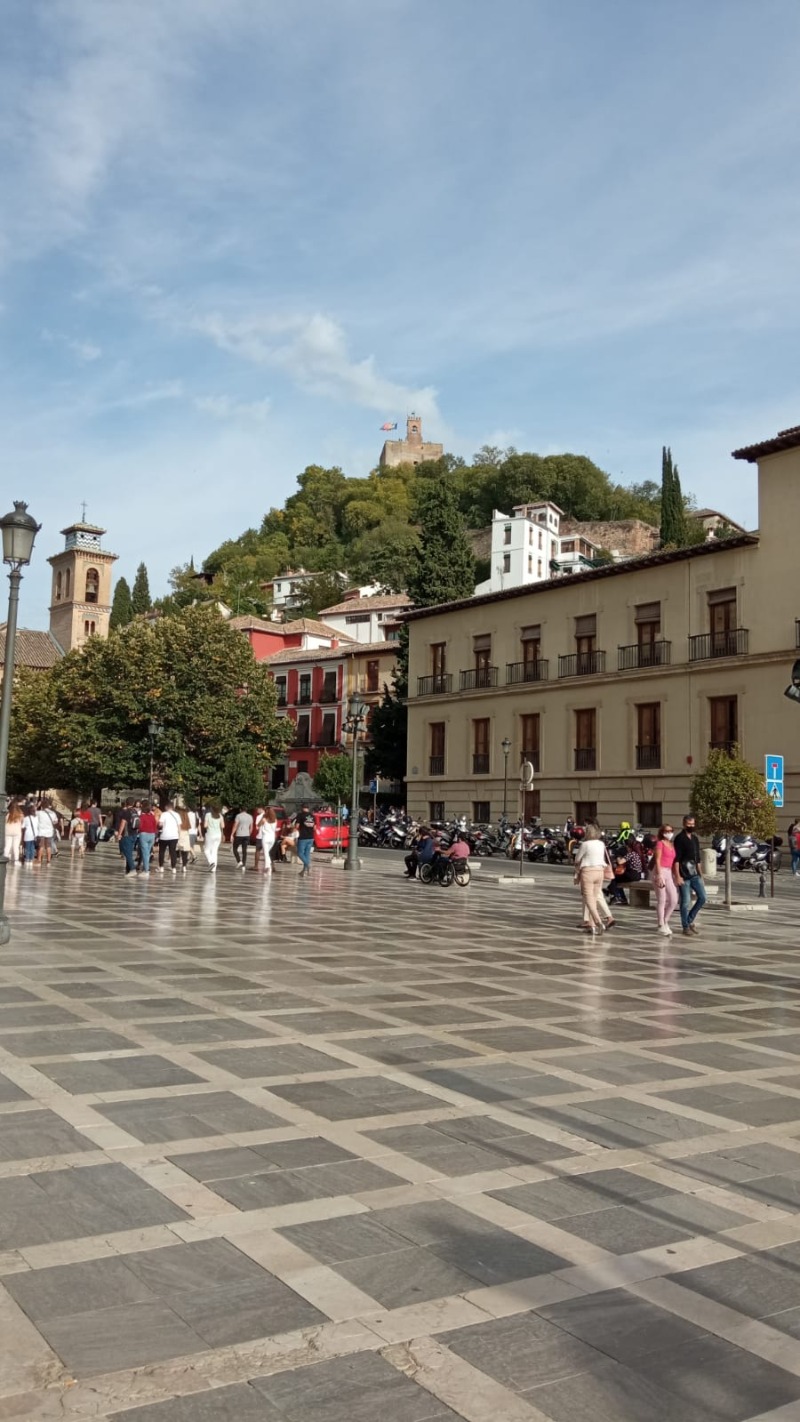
<point x="687" y="875"/>
<point x="663" y="880"/>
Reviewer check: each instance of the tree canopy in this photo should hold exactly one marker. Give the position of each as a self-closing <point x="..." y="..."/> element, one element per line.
<point x="121" y="605"/>
<point x="83" y="724"/>
<point x="334" y="778"/>
<point x="141" y="600"/>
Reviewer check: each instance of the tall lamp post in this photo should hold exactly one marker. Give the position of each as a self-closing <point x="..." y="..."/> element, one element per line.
<point x="356" y="719"/>
<point x="154" y="729"/>
<point x="505" y="746"/>
<point x="19" y="532"/>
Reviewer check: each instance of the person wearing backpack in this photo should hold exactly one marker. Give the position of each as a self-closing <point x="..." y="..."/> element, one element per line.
<point x="305" y="839"/>
<point x="126" y="835"/>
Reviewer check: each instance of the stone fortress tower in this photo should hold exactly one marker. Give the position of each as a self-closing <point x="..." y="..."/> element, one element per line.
<point x="80" y="601"/>
<point x="412" y="449"/>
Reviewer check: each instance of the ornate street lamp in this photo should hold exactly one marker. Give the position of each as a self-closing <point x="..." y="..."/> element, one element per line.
<point x="357" y="713"/>
<point x="505" y="746"/>
<point x="19" y="533"/>
<point x="154" y="729"/>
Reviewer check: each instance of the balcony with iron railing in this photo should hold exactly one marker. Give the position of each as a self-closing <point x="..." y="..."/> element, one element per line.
<point x="582" y="664"/>
<point x="440" y="684"/>
<point x="517" y="672"/>
<point x="480" y="764"/>
<point x="729" y="747"/>
<point x="644" y="654"/>
<point x="281" y="701"/>
<point x="328" y="696"/>
<point x="648" y="757"/>
<point x="730" y="643"/>
<point x="585" y="758"/>
<point x="478" y="679"/>
<point x="304" y="699"/>
<point x="436" y="765"/>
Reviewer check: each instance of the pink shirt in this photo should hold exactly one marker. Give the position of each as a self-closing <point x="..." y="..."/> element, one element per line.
<point x="667" y="854"/>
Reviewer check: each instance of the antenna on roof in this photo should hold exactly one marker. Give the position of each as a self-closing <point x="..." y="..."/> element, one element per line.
<point x="83" y="512"/>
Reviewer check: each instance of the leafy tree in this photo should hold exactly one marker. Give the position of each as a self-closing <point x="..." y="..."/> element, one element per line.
<point x="730" y="797"/>
<point x="325" y="590"/>
<point x="444" y="567"/>
<point x="121" y="605"/>
<point x="673" y="511"/>
<point x="141" y="600"/>
<point x="192" y="673"/>
<point x="334" y="778"/>
<point x="32" y="764"/>
<point x="388" y="728"/>
<point x="241" y="782"/>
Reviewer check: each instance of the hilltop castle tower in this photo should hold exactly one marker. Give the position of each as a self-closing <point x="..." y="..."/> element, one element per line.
<point x="412" y="449"/>
<point x="80" y="601"/>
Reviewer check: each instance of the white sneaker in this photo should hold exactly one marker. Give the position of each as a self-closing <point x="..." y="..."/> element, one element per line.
<point x="664" y="931"/>
<point x="161" y="869"/>
<point x="174" y="871"/>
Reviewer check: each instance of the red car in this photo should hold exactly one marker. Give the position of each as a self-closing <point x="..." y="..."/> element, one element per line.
<point x="327" y="832"/>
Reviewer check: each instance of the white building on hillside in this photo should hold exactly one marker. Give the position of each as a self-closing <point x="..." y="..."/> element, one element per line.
<point x="527" y="547"/>
<point x="367" y="619"/>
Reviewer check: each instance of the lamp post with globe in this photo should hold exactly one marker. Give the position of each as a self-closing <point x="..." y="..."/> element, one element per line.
<point x="19" y="533"/>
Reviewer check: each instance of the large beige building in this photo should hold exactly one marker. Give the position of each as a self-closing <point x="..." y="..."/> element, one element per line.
<point x="615" y="684"/>
<point x="411" y="450"/>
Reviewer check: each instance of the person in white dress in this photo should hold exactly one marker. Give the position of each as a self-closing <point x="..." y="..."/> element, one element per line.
<point x="212" y="831"/>
<point x="268" y="829"/>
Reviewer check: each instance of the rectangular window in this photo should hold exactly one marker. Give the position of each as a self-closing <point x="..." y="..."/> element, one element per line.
<point x="436" y="811"/>
<point x="585" y="812"/>
<point x="506" y="562"/>
<point x="280" y="687"/>
<point x="648" y="736"/>
<point x="531" y="638"/>
<point x="586" y="740"/>
<point x="568" y="545"/>
<point x="481" y="812"/>
<point x="480" y="747"/>
<point x="302" y="767"/>
<point x="357" y="617"/>
<point x="722" y="622"/>
<point x="724" y="722"/>
<point x="541" y="540"/>
<point x="585" y="642"/>
<point x="373" y="676"/>
<point x="327" y="735"/>
<point x="539" y="568"/>
<point x="647" y="617"/>
<point x="532" y="806"/>
<point x="649" y="814"/>
<point x="438" y="658"/>
<point x="328" y="693"/>
<point x="530" y="565"/>
<point x="305" y="690"/>
<point x="507" y="533"/>
<point x="303" y="733"/>
<point x="436" y="765"/>
<point x="529" y="738"/>
<point x="482" y="655"/>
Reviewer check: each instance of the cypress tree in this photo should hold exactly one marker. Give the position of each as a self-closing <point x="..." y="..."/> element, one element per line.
<point x="141" y="600"/>
<point x="444" y="567"/>
<point x="673" y="512"/>
<point x="121" y="608"/>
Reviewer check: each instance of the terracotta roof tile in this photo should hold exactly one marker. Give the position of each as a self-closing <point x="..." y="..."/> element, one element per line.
<point x="33" y="649"/>
<point x="784" y="439"/>
<point x="370" y="604"/>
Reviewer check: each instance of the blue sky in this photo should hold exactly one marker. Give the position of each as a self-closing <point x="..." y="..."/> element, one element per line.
<point x="238" y="235"/>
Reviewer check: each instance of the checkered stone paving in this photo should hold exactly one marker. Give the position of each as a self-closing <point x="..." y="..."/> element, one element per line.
<point x="350" y="1148"/>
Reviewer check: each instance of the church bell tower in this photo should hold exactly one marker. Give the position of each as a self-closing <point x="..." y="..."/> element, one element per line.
<point x="80" y="601"/>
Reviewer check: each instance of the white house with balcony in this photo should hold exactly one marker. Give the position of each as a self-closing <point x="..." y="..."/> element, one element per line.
<point x="527" y="547"/>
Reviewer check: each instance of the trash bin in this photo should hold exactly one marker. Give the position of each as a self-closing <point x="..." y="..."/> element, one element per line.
<point x="709" y="863"/>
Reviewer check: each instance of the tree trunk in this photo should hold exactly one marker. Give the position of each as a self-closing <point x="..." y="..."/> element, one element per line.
<point x="727" y="870"/>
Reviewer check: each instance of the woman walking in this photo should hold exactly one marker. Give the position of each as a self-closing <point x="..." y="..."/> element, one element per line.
<point x="267" y="832"/>
<point x="590" y="863"/>
<point x="664" y="879"/>
<point x="184" y="839"/>
<point x="45" y="831"/>
<point x="29" y="833"/>
<point x="148" y="825"/>
<point x="212" y="830"/>
<point x="14" y="820"/>
<point x="169" y="828"/>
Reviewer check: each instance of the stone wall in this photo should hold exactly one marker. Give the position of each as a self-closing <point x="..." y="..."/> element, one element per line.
<point x="630" y="537"/>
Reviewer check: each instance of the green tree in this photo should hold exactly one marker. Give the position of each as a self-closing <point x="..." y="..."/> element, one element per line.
<point x="241" y="781"/>
<point x="141" y="600"/>
<point x="444" y="568"/>
<point x="121" y="605"/>
<point x="192" y="673"/>
<point x="673" y="509"/>
<point x="334" y="778"/>
<point x="388" y="729"/>
<point x="325" y="590"/>
<point x="730" y="797"/>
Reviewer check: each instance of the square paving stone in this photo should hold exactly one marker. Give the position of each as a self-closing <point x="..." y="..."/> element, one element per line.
<point x="348" y="1237"/>
<point x="241" y="1312"/>
<point x="500" y="1082"/>
<point x="491" y="1255"/>
<point x="722" y="1380"/>
<point x="310" y="1023"/>
<point x="141" y="1009"/>
<point x="336" y="1101"/>
<point x="622" y="1326"/>
<point x="720" y="1056"/>
<point x="239" y="1403"/>
<point x="63" y="1043"/>
<point x="67" y="1289"/>
<point x="203" y="1266"/>
<point x="523" y="1351"/>
<point x="741" y="1101"/>
<point x="203" y="1030"/>
<point x="401" y="1050"/>
<point x="177" y="1118"/>
<point x="625" y="1230"/>
<point x="113" y="1338"/>
<point x="284" y="1187"/>
<point x="510" y="1038"/>
<point x="755" y="1285"/>
<point x="118" y="1074"/>
<point x="9" y="1091"/>
<point x="45" y="1014"/>
<point x="25" y="1135"/>
<point x="413" y="1275"/>
<point x="611" y="1393"/>
<point x="100" y="1199"/>
<point x="740" y="1163"/>
<point x="288" y="1060"/>
<point x="620" y="1068"/>
<point x="360" y="1388"/>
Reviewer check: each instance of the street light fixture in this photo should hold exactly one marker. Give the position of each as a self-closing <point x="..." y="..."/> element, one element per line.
<point x="357" y="712"/>
<point x="154" y="729"/>
<point x="19" y="533"/>
<point x="505" y="746"/>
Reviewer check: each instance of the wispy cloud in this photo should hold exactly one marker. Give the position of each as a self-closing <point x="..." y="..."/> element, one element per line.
<point x="314" y="351"/>
<point x="223" y="407"/>
<point x="85" y="350"/>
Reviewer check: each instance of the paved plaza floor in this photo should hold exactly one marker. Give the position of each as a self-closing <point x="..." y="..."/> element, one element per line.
<point x="352" y="1149"/>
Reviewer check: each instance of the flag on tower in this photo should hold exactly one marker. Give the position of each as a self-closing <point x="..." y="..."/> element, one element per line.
<point x="389" y="426"/>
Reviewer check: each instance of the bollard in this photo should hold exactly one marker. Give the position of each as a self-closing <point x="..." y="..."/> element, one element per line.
<point x="762" y="884"/>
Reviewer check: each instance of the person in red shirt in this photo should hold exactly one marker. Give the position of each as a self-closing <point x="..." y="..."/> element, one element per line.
<point x="148" y="825"/>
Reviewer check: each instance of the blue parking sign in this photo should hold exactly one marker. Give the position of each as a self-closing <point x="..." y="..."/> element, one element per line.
<point x="773" y="774"/>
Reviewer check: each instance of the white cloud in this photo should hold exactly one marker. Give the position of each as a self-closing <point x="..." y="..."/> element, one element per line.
<point x="222" y="407"/>
<point x="85" y="350"/>
<point x="313" y="350"/>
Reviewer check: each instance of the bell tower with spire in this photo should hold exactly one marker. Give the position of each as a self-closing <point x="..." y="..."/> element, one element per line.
<point x="80" y="601"/>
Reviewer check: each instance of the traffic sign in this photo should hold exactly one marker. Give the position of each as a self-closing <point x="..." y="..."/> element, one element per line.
<point x="527" y="775"/>
<point x="773" y="774"/>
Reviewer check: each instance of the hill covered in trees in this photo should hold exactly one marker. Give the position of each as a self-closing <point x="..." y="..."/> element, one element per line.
<point x="369" y="527"/>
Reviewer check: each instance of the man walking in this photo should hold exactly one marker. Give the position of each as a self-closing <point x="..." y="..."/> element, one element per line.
<point x="126" y="835"/>
<point x="305" y="839"/>
<point x="242" y="830"/>
<point x="687" y="875"/>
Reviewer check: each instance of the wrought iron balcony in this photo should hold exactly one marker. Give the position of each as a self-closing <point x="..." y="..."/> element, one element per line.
<point x="304" y="699"/>
<point x="480" y="765"/>
<point x="732" y="643"/>
<point x="644" y="654"/>
<point x="585" y="758"/>
<point x="526" y="671"/>
<point x="478" y="678"/>
<point x="436" y="765"/>
<point x="648" y="757"/>
<point x="328" y="695"/>
<point x="281" y="701"/>
<point x="582" y="664"/>
<point x="441" y="684"/>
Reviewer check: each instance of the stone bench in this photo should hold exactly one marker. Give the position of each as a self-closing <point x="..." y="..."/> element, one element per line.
<point x="640" y="893"/>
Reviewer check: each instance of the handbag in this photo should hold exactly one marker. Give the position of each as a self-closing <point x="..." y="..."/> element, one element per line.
<point x="688" y="869"/>
<point x="608" y="872"/>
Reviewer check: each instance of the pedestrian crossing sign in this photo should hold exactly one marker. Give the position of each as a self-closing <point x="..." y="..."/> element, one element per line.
<point x="773" y="774"/>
